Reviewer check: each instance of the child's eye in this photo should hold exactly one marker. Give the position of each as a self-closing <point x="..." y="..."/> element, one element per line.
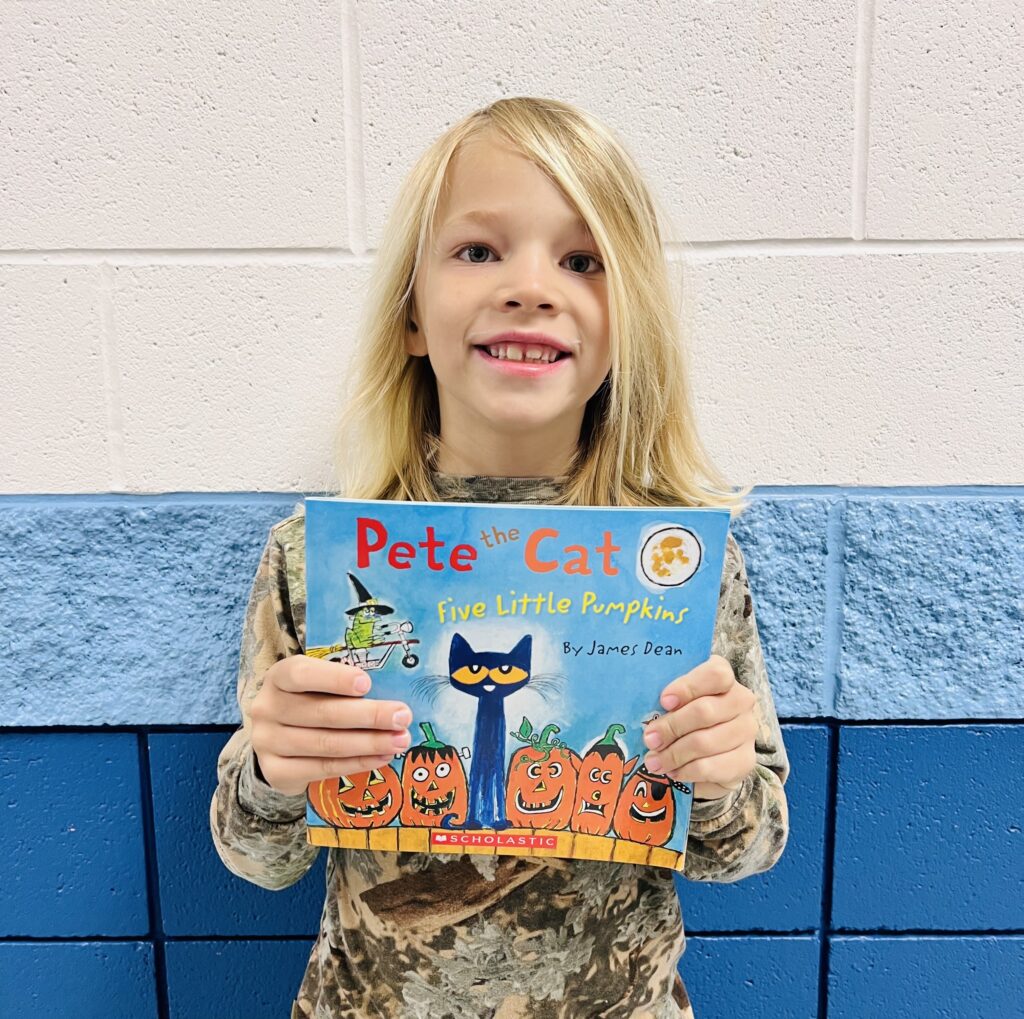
<point x="484" y="247"/>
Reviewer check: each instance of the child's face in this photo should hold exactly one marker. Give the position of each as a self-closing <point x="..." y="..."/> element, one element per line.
<point x="536" y="270"/>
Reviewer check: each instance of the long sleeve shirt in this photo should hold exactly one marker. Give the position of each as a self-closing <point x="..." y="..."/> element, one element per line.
<point x="469" y="936"/>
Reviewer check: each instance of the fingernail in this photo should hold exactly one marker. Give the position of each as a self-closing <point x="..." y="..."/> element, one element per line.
<point x="402" y="718"/>
<point x="653" y="763"/>
<point x="670" y="701"/>
<point x="652" y="739"/>
<point x="402" y="740"/>
<point x="361" y="684"/>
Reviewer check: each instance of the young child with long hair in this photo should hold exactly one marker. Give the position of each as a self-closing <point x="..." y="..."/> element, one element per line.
<point x="529" y="218"/>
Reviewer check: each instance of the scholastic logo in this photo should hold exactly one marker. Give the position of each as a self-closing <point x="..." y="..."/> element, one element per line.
<point x="439" y="838"/>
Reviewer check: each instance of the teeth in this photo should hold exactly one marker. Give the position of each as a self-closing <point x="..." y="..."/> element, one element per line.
<point x="514" y="352"/>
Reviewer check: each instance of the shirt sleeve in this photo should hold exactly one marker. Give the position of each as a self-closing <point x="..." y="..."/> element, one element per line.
<point x="744" y="832"/>
<point x="258" y="832"/>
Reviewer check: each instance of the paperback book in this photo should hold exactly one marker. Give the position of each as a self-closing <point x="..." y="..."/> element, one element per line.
<point x="532" y="643"/>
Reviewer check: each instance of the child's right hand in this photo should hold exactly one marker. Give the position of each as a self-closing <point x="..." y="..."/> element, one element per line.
<point x="310" y="721"/>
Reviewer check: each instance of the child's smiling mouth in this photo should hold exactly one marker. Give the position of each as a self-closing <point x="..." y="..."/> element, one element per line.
<point x="522" y="358"/>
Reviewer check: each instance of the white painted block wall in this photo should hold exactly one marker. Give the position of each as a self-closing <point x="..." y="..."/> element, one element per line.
<point x="190" y="197"/>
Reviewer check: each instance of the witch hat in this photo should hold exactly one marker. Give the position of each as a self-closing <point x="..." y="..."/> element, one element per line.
<point x="365" y="600"/>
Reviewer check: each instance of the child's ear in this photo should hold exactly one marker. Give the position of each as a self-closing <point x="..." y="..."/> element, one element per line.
<point x="414" y="342"/>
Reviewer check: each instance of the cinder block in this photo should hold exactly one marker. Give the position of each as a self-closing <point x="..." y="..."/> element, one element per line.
<point x="783" y="541"/>
<point x="87" y="980"/>
<point x="126" y="127"/>
<point x="787" y="897"/>
<point x="233" y="377"/>
<point x="234" y="978"/>
<point x="199" y="896"/>
<point x="128" y="614"/>
<point x="691" y="126"/>
<point x="72" y="836"/>
<point x="912" y="977"/>
<point x="882" y="369"/>
<point x="928" y="828"/>
<point x="53" y="403"/>
<point x="945" y="104"/>
<point x="933" y="610"/>
<point x="753" y="977"/>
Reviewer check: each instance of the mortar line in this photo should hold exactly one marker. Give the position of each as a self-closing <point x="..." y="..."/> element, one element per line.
<point x="351" y="74"/>
<point x="835" y="551"/>
<point x="862" y="66"/>
<point x="689" y="252"/>
<point x="828" y="863"/>
<point x="156" y="926"/>
<point x="109" y="356"/>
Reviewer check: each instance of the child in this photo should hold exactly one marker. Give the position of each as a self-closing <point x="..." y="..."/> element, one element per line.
<point x="444" y="411"/>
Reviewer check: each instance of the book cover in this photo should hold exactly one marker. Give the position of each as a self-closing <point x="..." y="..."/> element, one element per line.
<point x="531" y="643"/>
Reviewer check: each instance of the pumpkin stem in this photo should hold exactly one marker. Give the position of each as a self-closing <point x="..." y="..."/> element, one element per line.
<point x="431" y="741"/>
<point x="544" y="736"/>
<point x="608" y="740"/>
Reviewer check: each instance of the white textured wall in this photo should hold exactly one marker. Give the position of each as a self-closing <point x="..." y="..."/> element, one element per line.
<point x="190" y="196"/>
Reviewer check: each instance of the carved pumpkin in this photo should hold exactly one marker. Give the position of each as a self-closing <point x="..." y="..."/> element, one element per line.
<point x="646" y="811"/>
<point x="540" y="787"/>
<point x="600" y="779"/>
<point x="433" y="783"/>
<point x="370" y="799"/>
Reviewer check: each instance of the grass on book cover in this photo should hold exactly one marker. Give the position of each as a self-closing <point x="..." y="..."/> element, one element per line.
<point x="532" y="643"/>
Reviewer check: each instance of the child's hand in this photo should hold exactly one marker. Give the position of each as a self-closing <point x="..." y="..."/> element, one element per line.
<point x="706" y="735"/>
<point x="310" y="720"/>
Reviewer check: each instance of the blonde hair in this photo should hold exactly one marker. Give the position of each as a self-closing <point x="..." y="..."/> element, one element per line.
<point x="638" y="441"/>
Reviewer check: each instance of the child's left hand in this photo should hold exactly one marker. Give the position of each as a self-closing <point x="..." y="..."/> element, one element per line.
<point x="706" y="736"/>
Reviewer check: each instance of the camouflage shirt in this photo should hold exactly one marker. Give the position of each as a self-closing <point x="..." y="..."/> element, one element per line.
<point x="416" y="935"/>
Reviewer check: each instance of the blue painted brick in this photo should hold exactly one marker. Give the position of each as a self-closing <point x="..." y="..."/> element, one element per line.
<point x="152" y="611"/>
<point x="784" y="546"/>
<point x="929" y="828"/>
<point x="72" y="836"/>
<point x="787" y="897"/>
<point x="933" y="609"/>
<point x="87" y="980"/>
<point x="918" y="977"/>
<point x="254" y="979"/>
<point x="752" y="977"/>
<point x="199" y="896"/>
<point x="141" y="609"/>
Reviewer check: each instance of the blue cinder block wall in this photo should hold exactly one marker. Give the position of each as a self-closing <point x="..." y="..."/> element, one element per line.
<point x="893" y="625"/>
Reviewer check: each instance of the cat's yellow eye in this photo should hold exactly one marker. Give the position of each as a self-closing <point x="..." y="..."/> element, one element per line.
<point x="469" y="674"/>
<point x="507" y="674"/>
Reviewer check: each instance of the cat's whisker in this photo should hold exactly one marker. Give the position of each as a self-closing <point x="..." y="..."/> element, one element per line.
<point x="429" y="687"/>
<point x="549" y="677"/>
<point x="552" y="682"/>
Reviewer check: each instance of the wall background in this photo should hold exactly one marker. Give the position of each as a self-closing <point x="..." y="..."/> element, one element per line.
<point x="189" y="205"/>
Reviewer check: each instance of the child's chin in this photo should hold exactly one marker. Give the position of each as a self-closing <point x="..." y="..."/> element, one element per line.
<point x="527" y="413"/>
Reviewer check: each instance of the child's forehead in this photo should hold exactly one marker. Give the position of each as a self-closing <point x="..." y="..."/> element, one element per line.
<point x="497" y="187"/>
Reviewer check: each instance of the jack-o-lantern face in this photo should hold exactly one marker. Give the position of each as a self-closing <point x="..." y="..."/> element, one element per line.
<point x="370" y="799"/>
<point x="541" y="785"/>
<point x="600" y="779"/>
<point x="433" y="783"/>
<point x="646" y="811"/>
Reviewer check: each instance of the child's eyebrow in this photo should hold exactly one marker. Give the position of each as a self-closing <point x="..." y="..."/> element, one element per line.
<point x="490" y="217"/>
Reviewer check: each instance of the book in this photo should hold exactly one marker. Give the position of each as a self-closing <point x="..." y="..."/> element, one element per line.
<point x="532" y="643"/>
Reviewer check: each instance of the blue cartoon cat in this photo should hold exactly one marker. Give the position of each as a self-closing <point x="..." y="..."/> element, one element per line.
<point x="490" y="676"/>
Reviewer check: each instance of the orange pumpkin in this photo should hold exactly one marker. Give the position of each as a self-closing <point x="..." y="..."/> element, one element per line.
<point x="370" y="799"/>
<point x="540" y="787"/>
<point x="433" y="783"/>
<point x="600" y="779"/>
<point x="646" y="811"/>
